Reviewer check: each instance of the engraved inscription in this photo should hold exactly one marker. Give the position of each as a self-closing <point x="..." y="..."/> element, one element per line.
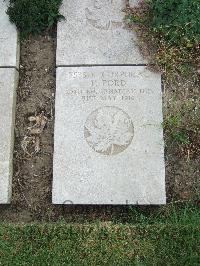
<point x="107" y="86"/>
<point x="104" y="15"/>
<point x="109" y="130"/>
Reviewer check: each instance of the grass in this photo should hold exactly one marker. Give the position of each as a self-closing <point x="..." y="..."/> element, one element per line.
<point x="182" y="125"/>
<point x="172" y="40"/>
<point x="35" y="16"/>
<point x="181" y="30"/>
<point x="172" y="43"/>
<point x="170" y="239"/>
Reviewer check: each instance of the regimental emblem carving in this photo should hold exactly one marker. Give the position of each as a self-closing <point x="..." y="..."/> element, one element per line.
<point x="109" y="130"/>
<point x="104" y="15"/>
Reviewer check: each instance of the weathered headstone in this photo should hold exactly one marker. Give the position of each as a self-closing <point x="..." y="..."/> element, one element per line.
<point x="9" y="61"/>
<point x="108" y="144"/>
<point x="134" y="3"/>
<point x="94" y="33"/>
<point x="9" y="46"/>
<point x="8" y="83"/>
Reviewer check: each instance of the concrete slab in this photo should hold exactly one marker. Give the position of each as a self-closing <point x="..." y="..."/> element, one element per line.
<point x="9" y="45"/>
<point x="108" y="142"/>
<point x="8" y="83"/>
<point x="134" y="3"/>
<point x="94" y="33"/>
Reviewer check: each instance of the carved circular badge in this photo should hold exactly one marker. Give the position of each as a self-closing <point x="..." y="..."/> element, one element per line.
<point x="109" y="130"/>
<point x="104" y="14"/>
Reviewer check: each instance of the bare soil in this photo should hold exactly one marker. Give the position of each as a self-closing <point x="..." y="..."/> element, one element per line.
<point x="33" y="153"/>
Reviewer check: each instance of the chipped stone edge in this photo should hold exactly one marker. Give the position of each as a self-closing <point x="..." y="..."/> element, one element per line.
<point x="15" y="85"/>
<point x="10" y="159"/>
<point x="127" y="203"/>
<point x="17" y="51"/>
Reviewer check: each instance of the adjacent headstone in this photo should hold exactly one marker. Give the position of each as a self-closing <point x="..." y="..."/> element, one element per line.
<point x="108" y="143"/>
<point x="8" y="83"/>
<point x="134" y="3"/>
<point x="9" y="45"/>
<point x="94" y="32"/>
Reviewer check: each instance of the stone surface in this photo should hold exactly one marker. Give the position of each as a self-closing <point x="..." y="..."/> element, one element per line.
<point x="9" y="46"/>
<point x="94" y="33"/>
<point x="134" y="3"/>
<point x="108" y="143"/>
<point x="8" y="83"/>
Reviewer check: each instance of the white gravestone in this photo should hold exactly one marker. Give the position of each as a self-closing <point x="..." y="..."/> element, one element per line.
<point x="8" y="83"/>
<point x="9" y="45"/>
<point x="94" y="32"/>
<point x="108" y="143"/>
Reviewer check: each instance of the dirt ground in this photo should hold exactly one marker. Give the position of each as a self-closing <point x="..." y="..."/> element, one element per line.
<point x="33" y="151"/>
